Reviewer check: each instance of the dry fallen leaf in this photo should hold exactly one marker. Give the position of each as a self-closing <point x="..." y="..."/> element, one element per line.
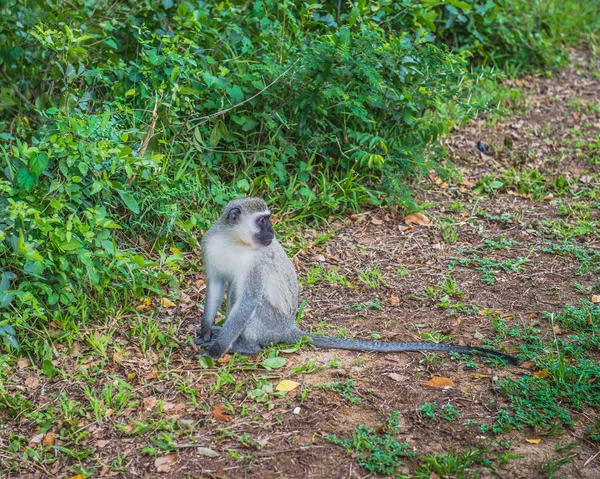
<point x="102" y="443"/>
<point x="32" y="382"/>
<point x="394" y="299"/>
<point x="78" y="476"/>
<point x="528" y="365"/>
<point x="444" y="185"/>
<point x="417" y="219"/>
<point x="541" y="374"/>
<point x="533" y="441"/>
<point x="149" y="402"/>
<point x="164" y="463"/>
<point x="440" y="383"/>
<point x="596" y="298"/>
<point x="23" y="363"/>
<point x="145" y="304"/>
<point x="37" y="439"/>
<point x="396" y="377"/>
<point x="167" y="303"/>
<point x="49" y="439"/>
<point x="376" y="221"/>
<point x="219" y="414"/>
<point x="225" y="359"/>
<point x="286" y="385"/>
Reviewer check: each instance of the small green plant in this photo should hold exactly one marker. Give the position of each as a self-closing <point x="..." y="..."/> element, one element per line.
<point x="347" y="389"/>
<point x="371" y="277"/>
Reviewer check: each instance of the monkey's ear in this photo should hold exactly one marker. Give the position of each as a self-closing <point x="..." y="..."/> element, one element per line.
<point x="234" y="215"/>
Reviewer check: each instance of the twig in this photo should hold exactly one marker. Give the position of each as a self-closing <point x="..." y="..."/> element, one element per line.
<point x="146" y="139"/>
<point x="15" y="89"/>
<point x="204" y="119"/>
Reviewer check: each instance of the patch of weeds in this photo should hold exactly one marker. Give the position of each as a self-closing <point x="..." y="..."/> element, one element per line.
<point x="379" y="454"/>
<point x="402" y="271"/>
<point x="449" y="233"/>
<point x="244" y="439"/>
<point x="566" y="231"/>
<point x="365" y="306"/>
<point x="566" y="379"/>
<point x="503" y="219"/>
<point x="347" y="389"/>
<point x="371" y="277"/>
<point x="490" y="267"/>
<point x="264" y="391"/>
<point x="458" y="308"/>
<point x="116" y="396"/>
<point x="583" y="325"/>
<point x="498" y="244"/>
<point x="435" y="337"/>
<point x="433" y="411"/>
<point x="330" y="275"/>
<point x="589" y="258"/>
<point x="310" y="367"/>
<point x="450" y="287"/>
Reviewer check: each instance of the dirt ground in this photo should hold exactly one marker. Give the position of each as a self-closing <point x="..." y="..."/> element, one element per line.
<point x="391" y="281"/>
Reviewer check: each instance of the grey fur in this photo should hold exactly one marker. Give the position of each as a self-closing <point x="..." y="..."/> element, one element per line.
<point x="262" y="299"/>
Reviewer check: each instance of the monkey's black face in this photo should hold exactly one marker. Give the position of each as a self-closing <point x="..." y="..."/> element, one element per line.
<point x="265" y="233"/>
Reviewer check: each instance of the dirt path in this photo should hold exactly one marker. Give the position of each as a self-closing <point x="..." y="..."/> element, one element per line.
<point x="519" y="237"/>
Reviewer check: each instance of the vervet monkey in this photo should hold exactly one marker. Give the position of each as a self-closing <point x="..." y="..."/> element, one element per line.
<point x="242" y="256"/>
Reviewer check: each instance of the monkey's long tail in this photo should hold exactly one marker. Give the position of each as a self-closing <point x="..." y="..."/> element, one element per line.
<point x="329" y="342"/>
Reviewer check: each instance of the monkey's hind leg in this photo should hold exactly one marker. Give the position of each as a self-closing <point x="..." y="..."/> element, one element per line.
<point x="243" y="346"/>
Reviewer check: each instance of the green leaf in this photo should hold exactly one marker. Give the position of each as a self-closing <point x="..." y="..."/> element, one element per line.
<point x="496" y="184"/>
<point x="273" y="363"/>
<point x="129" y="201"/>
<point x="49" y="369"/>
<point x="26" y="178"/>
<point x="206" y="362"/>
<point x="39" y="162"/>
<point x="5" y="280"/>
<point x="5" y="299"/>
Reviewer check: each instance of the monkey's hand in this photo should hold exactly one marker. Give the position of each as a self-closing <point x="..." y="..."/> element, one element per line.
<point x="206" y="340"/>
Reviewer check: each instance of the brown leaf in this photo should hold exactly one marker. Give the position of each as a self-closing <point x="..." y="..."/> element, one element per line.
<point x="528" y="365"/>
<point x="167" y="303"/>
<point x="49" y="439"/>
<point x="164" y="463"/>
<point x="23" y="363"/>
<point x="462" y="189"/>
<point x="541" y="374"/>
<point x="32" y="382"/>
<point x="220" y="415"/>
<point x="376" y="221"/>
<point x="145" y="304"/>
<point x="394" y="299"/>
<point x="152" y="374"/>
<point x="596" y="298"/>
<point x="444" y="185"/>
<point x="37" y="439"/>
<point x="417" y="219"/>
<point x="225" y="359"/>
<point x="396" y="377"/>
<point x="102" y="443"/>
<point x="440" y="383"/>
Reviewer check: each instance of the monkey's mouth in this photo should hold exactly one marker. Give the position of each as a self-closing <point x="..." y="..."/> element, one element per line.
<point x="265" y="240"/>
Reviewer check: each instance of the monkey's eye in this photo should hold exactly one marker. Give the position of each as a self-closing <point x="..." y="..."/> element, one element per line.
<point x="261" y="221"/>
<point x="234" y="215"/>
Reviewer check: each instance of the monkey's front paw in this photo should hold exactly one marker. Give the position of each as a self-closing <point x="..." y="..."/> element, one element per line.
<point x="204" y="341"/>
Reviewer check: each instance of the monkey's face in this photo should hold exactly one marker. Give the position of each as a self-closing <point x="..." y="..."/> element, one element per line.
<point x="251" y="229"/>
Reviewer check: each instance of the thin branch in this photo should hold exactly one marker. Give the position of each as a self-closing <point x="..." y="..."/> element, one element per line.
<point x="15" y="89"/>
<point x="204" y="119"/>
